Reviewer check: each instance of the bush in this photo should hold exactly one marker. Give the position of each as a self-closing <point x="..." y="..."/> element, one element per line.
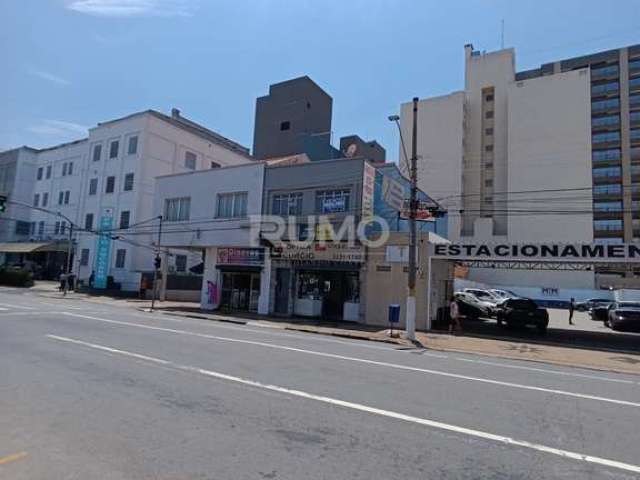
<point x="16" y="278"/>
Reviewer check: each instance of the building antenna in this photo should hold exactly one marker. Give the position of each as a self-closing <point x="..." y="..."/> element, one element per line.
<point x="502" y="34"/>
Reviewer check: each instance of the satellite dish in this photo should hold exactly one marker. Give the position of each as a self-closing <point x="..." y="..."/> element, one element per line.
<point x="351" y="150"/>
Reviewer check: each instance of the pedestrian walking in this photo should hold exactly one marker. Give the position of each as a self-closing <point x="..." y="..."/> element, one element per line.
<point x="454" y="313"/>
<point x="572" y="307"/>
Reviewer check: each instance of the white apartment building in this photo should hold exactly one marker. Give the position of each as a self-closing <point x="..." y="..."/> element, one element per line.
<point x="510" y="157"/>
<point x="112" y="174"/>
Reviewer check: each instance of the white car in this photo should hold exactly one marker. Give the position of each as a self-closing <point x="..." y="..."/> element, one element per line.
<point x="502" y="294"/>
<point x="485" y="299"/>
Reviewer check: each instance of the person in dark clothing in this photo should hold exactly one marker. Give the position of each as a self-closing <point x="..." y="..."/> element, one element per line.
<point x="92" y="277"/>
<point x="572" y="307"/>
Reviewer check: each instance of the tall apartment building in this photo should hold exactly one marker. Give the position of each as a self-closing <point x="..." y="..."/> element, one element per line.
<point x="112" y="174"/>
<point x="550" y="154"/>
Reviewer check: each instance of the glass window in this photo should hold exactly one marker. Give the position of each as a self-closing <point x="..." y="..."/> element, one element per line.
<point x="22" y="228"/>
<point x="287" y="204"/>
<point x="634" y="82"/>
<point x="64" y="169"/>
<point x="177" y="209"/>
<point x="45" y="199"/>
<point x="67" y="194"/>
<point x="181" y="263"/>
<point x="607" y="121"/>
<point x="488" y="148"/>
<point x="605" y="155"/>
<point x="48" y="171"/>
<point x="36" y="200"/>
<point x="607" y="206"/>
<point x="121" y="254"/>
<point x="110" y="185"/>
<point x="604" y="71"/>
<point x="634" y="117"/>
<point x="124" y="219"/>
<point x="128" y="182"/>
<point x="97" y="152"/>
<point x="232" y="205"/>
<point x="70" y="168"/>
<point x="39" y="173"/>
<point x="634" y="99"/>
<point x="215" y="165"/>
<point x="132" y="148"/>
<point x="330" y="201"/>
<point x="60" y="198"/>
<point x="84" y="257"/>
<point x="605" y="137"/>
<point x="190" y="159"/>
<point x="56" y="230"/>
<point x="607" y="225"/>
<point x="88" y="221"/>
<point x="63" y="227"/>
<point x="603" y="105"/>
<point x="633" y="64"/>
<point x="33" y="228"/>
<point x="488" y="114"/>
<point x="41" y="228"/>
<point x="612" y="189"/>
<point x="93" y="186"/>
<point x="605" y="88"/>
<point x="113" y="149"/>
<point x="607" y="172"/>
<point x="285" y="126"/>
<point x="634" y="134"/>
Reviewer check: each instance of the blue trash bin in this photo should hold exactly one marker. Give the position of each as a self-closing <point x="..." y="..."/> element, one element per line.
<point x="394" y="313"/>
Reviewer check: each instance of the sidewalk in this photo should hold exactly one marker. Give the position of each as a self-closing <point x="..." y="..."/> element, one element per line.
<point x="516" y="349"/>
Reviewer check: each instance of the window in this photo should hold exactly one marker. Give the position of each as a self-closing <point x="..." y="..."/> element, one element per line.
<point x="60" y="198"/>
<point x="330" y="201"/>
<point x="612" y="189"/>
<point x="287" y="204"/>
<point x="605" y="88"/>
<point x="45" y="199"/>
<point x="607" y="206"/>
<point x="603" y="105"/>
<point x="488" y="182"/>
<point x="488" y="148"/>
<point x="70" y="168"/>
<point x="607" y="225"/>
<point x="285" y="126"/>
<point x="97" y="152"/>
<point x="56" y="230"/>
<point x="128" y="182"/>
<point x="41" y="228"/>
<point x="607" y="172"/>
<point x="48" y="171"/>
<point x="36" y="200"/>
<point x="121" y="254"/>
<point x="177" y="209"/>
<point x="63" y="227"/>
<point x="22" y="228"/>
<point x="604" y="71"/>
<point x="634" y="134"/>
<point x="113" y="149"/>
<point x="39" y="174"/>
<point x="93" y="186"/>
<point x="232" y="205"/>
<point x="132" y="148"/>
<point x="66" y="197"/>
<point x="605" y="137"/>
<point x="605" y="155"/>
<point x="215" y="165"/>
<point x="181" y="263"/>
<point x="488" y="114"/>
<point x="124" y="219"/>
<point x="488" y="131"/>
<point x="64" y="169"/>
<point x="110" y="185"/>
<point x="190" y="160"/>
<point x="33" y="228"/>
<point x="84" y="257"/>
<point x="608" y="121"/>
<point x="489" y="98"/>
<point x="88" y="221"/>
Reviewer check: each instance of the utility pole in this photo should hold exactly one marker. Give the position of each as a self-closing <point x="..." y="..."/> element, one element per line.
<point x="69" y="251"/>
<point x="413" y="198"/>
<point x="156" y="266"/>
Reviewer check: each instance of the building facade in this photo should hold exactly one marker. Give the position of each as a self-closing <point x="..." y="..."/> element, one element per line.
<point x="545" y="154"/>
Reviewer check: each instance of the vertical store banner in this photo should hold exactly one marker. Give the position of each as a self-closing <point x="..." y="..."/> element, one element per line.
<point x="368" y="187"/>
<point x="103" y="249"/>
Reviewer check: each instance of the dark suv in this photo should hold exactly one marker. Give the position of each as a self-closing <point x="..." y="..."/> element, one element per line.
<point x="522" y="312"/>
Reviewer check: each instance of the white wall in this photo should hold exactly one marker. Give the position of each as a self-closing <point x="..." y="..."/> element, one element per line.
<point x="440" y="149"/>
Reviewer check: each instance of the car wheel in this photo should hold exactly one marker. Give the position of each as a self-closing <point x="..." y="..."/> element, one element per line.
<point x="606" y="323"/>
<point x="613" y="326"/>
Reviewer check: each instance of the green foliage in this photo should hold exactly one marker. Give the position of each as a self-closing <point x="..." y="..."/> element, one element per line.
<point x="15" y="277"/>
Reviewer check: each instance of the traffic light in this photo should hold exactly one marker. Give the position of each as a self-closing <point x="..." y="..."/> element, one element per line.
<point x="3" y="203"/>
<point x="157" y="261"/>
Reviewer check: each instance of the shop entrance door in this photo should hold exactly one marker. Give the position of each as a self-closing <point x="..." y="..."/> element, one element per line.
<point x="334" y="295"/>
<point x="283" y="276"/>
<point x="240" y="291"/>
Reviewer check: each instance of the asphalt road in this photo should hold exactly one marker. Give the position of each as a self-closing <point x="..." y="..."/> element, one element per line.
<point x="95" y="391"/>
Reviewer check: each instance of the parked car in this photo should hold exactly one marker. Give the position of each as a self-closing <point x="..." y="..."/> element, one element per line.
<point x="599" y="313"/>
<point x="502" y="294"/>
<point x="522" y="312"/>
<point x="623" y="315"/>
<point x="592" y="302"/>
<point x="485" y="299"/>
<point x="469" y="306"/>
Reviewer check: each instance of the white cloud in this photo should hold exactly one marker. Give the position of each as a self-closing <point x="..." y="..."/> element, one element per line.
<point x="59" y="128"/>
<point x="133" y="8"/>
<point x="49" y="77"/>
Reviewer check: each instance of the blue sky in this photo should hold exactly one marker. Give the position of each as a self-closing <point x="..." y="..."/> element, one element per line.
<point x="68" y="64"/>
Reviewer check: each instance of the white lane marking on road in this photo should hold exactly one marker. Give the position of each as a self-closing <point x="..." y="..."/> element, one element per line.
<point x="365" y="361"/>
<point x="9" y="305"/>
<point x="546" y="370"/>
<point x="363" y="408"/>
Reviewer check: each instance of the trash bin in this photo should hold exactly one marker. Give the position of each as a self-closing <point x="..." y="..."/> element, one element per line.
<point x="394" y="313"/>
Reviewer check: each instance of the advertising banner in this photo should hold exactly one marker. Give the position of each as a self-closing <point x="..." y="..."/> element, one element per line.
<point x="103" y="249"/>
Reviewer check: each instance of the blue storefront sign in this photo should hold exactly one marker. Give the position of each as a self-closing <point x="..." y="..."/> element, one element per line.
<point x="103" y="249"/>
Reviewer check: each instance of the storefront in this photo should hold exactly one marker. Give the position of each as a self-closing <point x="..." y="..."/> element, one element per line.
<point x="317" y="280"/>
<point x="239" y="273"/>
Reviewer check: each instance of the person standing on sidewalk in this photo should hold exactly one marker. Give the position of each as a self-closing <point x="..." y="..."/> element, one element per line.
<point x="454" y="313"/>
<point x="572" y="307"/>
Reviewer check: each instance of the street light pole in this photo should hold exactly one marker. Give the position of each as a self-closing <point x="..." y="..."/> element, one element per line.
<point x="69" y="249"/>
<point x="413" y="199"/>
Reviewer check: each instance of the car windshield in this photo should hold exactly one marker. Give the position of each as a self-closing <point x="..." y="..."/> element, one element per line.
<point x="522" y="304"/>
<point x="482" y="294"/>
<point x="629" y="305"/>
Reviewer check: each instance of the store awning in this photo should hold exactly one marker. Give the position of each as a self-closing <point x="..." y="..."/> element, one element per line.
<point x="31" y="247"/>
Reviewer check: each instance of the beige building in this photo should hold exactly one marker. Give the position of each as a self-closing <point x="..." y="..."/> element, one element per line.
<point x="550" y="154"/>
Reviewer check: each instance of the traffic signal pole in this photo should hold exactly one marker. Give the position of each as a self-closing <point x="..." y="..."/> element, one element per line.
<point x="157" y="262"/>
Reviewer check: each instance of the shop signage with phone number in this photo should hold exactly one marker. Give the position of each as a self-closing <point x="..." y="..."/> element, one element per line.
<point x="329" y="252"/>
